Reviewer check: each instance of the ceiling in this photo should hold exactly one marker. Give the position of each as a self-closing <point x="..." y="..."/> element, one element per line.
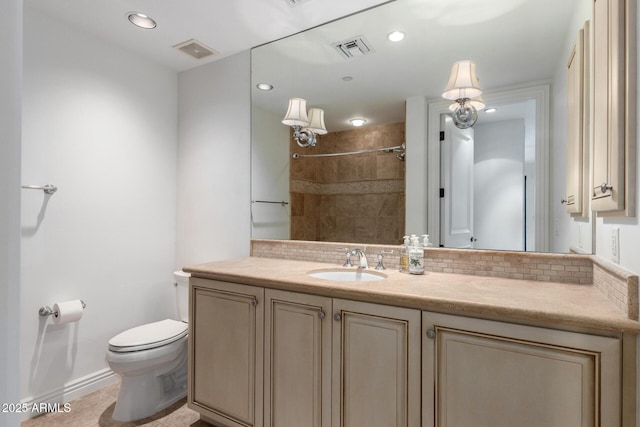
<point x="228" y="27"/>
<point x="513" y="42"/>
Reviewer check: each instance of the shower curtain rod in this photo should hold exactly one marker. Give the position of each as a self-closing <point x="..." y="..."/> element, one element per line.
<point x="373" y="150"/>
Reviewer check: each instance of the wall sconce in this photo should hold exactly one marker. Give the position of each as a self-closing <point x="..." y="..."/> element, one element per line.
<point x="463" y="87"/>
<point x="477" y="103"/>
<point x="305" y="127"/>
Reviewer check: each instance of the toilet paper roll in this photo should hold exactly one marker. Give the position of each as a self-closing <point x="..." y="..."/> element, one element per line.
<point x="67" y="311"/>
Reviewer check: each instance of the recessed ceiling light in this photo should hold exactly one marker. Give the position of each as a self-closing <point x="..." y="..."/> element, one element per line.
<point x="357" y="122"/>
<point x="264" y="86"/>
<point x="347" y="78"/>
<point x="395" y="36"/>
<point x="490" y="110"/>
<point x="141" y="20"/>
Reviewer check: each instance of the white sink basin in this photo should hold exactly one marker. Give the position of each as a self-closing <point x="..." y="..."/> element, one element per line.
<point x="348" y="275"/>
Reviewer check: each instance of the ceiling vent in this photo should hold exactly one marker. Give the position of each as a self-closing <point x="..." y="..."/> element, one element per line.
<point x="195" y="49"/>
<point x="353" y="47"/>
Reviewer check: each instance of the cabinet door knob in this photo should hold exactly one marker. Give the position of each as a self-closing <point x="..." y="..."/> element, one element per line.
<point x="321" y="314"/>
<point x="604" y="187"/>
<point x="254" y="301"/>
<point x="431" y="333"/>
<point x="337" y="317"/>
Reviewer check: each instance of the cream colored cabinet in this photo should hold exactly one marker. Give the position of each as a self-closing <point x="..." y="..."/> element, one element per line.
<point x="297" y="368"/>
<point x="376" y="365"/>
<point x="334" y="362"/>
<point x="486" y="373"/>
<point x="614" y="112"/>
<point x="577" y="197"/>
<point x="226" y="352"/>
<point x="341" y="363"/>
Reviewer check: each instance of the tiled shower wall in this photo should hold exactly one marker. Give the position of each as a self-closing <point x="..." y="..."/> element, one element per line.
<point x="349" y="198"/>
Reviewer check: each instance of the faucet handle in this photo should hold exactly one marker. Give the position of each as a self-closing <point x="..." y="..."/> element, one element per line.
<point x="380" y="265"/>
<point x="347" y="253"/>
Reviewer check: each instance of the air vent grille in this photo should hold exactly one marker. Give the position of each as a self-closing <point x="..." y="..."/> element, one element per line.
<point x="353" y="47"/>
<point x="195" y="49"/>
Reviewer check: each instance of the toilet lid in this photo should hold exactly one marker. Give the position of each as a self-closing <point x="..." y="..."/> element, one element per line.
<point x="148" y="336"/>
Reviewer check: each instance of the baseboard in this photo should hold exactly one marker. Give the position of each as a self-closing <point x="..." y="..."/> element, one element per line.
<point x="54" y="400"/>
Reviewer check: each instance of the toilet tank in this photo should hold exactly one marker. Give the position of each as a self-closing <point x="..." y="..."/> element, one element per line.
<point x="182" y="294"/>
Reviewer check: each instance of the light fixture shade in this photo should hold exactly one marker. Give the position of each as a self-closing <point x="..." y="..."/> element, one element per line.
<point x="477" y="103"/>
<point x="296" y="113"/>
<point x="463" y="82"/>
<point x="316" y="121"/>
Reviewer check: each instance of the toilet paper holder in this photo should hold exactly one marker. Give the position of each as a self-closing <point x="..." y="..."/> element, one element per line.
<point x="48" y="311"/>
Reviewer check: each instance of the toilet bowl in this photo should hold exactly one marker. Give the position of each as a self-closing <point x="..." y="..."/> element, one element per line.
<point x="151" y="361"/>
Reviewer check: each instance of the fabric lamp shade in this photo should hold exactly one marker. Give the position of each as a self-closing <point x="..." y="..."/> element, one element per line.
<point x="463" y="82"/>
<point x="316" y="119"/>
<point x="296" y="113"/>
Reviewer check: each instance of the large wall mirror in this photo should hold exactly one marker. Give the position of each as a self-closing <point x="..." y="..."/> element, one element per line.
<point x="382" y="180"/>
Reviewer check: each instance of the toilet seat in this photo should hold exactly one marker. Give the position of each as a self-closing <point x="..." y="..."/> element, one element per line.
<point x="151" y="335"/>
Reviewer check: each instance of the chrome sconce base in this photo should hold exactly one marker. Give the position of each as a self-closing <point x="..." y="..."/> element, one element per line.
<point x="304" y="137"/>
<point x="465" y="115"/>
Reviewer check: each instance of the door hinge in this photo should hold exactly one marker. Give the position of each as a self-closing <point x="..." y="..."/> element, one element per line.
<point x="441" y="135"/>
<point x="442" y="192"/>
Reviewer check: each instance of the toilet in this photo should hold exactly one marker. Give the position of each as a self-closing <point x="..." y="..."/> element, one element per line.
<point x="151" y="361"/>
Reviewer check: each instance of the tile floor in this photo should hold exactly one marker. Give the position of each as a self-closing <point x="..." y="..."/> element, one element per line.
<point x="96" y="408"/>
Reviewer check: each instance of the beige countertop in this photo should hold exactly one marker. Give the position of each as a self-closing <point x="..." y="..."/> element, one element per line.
<point x="556" y="304"/>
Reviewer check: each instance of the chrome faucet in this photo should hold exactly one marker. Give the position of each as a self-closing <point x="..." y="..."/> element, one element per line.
<point x="380" y="265"/>
<point x="347" y="253"/>
<point x="362" y="257"/>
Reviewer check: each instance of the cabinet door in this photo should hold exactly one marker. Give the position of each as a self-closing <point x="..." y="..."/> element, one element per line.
<point x="613" y="105"/>
<point x="577" y="198"/>
<point x="225" y="352"/>
<point x="297" y="365"/>
<point x="485" y="373"/>
<point x="376" y="365"/>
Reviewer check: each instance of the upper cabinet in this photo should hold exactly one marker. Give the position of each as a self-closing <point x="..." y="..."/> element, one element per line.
<point x="578" y="102"/>
<point x="614" y="113"/>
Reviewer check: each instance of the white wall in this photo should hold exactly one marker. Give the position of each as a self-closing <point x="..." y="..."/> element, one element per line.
<point x="213" y="220"/>
<point x="499" y="185"/>
<point x="269" y="154"/>
<point x="101" y="124"/>
<point x="10" y="118"/>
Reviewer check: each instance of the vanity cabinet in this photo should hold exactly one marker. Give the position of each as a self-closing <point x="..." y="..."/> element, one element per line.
<point x="487" y="373"/>
<point x="226" y="352"/>
<point x="334" y="362"/>
<point x="614" y="112"/>
<point x="376" y="365"/>
<point x="297" y="367"/>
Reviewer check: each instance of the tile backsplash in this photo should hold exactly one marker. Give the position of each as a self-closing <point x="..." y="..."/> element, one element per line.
<point x="617" y="284"/>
